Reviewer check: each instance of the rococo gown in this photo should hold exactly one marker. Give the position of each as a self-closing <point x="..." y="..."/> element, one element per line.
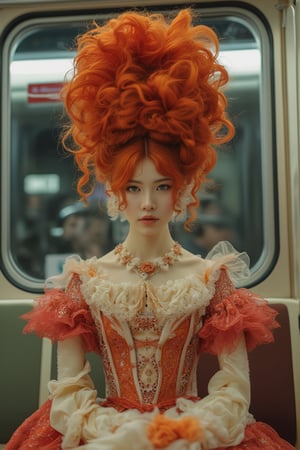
<point x="150" y="339"/>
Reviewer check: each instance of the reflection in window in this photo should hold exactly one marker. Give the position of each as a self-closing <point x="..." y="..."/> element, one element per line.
<point x="51" y="223"/>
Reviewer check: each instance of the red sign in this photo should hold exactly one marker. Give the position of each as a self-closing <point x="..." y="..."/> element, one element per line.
<point x="44" y="92"/>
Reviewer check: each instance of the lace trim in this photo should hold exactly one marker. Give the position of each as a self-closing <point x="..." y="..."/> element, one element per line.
<point x="236" y="263"/>
<point x="243" y="312"/>
<point x="174" y="298"/>
<point x="125" y="300"/>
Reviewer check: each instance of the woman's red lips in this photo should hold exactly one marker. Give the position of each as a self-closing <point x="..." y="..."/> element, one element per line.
<point x="148" y="219"/>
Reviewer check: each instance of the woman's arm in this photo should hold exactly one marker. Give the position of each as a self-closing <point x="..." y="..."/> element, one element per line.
<point x="70" y="357"/>
<point x="223" y="413"/>
<point x="73" y="394"/>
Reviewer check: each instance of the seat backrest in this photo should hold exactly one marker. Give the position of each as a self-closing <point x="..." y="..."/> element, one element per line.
<point x="26" y="368"/>
<point x="272" y="379"/>
<point x="20" y="358"/>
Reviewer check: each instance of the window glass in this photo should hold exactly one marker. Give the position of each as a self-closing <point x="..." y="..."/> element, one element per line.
<point x="44" y="221"/>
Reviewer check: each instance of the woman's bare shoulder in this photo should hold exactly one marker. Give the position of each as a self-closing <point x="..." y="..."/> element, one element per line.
<point x="187" y="265"/>
<point x="191" y="258"/>
<point x="108" y="257"/>
<point x="108" y="261"/>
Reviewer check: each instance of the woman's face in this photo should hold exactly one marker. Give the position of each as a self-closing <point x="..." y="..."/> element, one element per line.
<point x="149" y="198"/>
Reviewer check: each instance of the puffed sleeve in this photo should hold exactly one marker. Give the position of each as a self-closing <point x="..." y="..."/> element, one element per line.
<point x="223" y="413"/>
<point x="61" y="314"/>
<point x="234" y="312"/>
<point x="73" y="395"/>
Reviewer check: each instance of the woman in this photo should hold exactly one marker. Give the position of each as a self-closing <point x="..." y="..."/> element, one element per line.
<point x="146" y="111"/>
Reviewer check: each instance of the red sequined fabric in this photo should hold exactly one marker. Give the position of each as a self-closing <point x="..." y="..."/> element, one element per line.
<point x="59" y="315"/>
<point x="233" y="312"/>
<point x="35" y="433"/>
<point x="260" y="436"/>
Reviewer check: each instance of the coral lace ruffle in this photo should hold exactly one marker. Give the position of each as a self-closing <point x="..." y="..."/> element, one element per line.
<point x="35" y="433"/>
<point x="260" y="436"/>
<point x="59" y="315"/>
<point x="240" y="312"/>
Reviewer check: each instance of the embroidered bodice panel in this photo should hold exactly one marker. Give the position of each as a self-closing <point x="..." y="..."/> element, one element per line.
<point x="148" y="336"/>
<point x="146" y="361"/>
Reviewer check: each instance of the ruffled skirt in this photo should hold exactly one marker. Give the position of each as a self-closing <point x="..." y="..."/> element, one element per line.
<point x="36" y="433"/>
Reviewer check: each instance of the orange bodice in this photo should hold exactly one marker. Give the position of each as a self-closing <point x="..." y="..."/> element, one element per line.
<point x="148" y="362"/>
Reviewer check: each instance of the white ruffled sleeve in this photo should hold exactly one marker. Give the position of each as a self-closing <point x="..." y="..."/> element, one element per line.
<point x="237" y="264"/>
<point x="223" y="413"/>
<point x="73" y="394"/>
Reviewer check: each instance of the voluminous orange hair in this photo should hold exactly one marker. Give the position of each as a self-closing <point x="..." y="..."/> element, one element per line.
<point x="140" y="75"/>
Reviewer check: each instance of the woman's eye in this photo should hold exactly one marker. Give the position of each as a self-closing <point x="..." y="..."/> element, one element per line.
<point x="132" y="188"/>
<point x="164" y="187"/>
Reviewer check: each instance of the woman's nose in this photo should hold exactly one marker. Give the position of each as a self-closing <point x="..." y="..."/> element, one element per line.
<point x="148" y="202"/>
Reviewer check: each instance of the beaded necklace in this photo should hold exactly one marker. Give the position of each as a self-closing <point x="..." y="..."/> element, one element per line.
<point x="146" y="269"/>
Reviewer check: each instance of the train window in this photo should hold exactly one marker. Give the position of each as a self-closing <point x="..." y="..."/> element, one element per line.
<point x="43" y="221"/>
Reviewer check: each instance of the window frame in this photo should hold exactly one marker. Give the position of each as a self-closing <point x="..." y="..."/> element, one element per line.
<point x="270" y="248"/>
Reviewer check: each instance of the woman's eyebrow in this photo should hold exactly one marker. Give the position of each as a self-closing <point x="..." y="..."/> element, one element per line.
<point x="159" y="180"/>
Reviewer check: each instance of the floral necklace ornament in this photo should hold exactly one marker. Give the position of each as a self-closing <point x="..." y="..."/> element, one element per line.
<point x="146" y="269"/>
